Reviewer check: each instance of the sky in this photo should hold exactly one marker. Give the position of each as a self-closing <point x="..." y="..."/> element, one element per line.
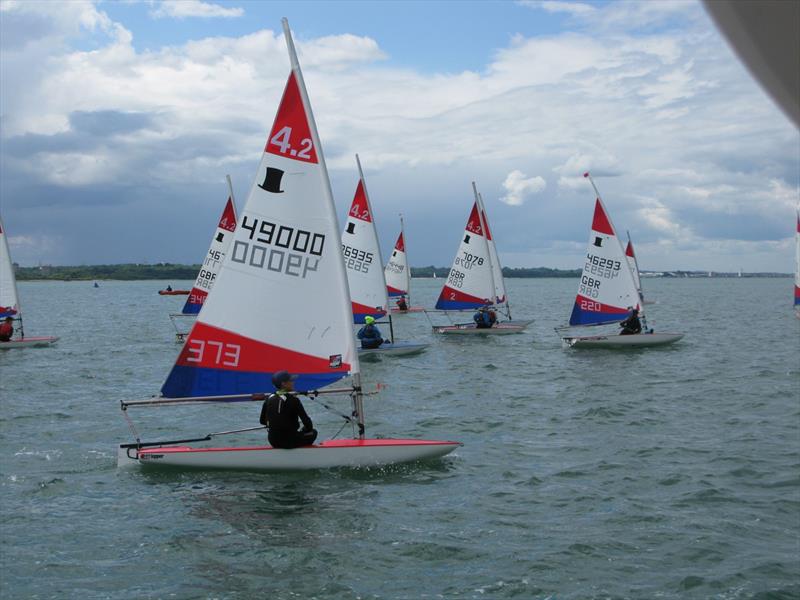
<point x="120" y="120"/>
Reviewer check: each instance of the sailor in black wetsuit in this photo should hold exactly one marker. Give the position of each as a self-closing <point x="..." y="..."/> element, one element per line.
<point x="282" y="412"/>
<point x="632" y="325"/>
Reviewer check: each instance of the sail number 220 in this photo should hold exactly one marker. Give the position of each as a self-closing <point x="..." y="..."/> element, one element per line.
<point x="218" y="353"/>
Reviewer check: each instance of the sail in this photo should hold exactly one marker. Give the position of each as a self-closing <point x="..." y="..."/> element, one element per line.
<point x="633" y="264"/>
<point x="497" y="270"/>
<point x="796" y="264"/>
<point x="220" y="243"/>
<point x="281" y="299"/>
<point x="9" y="299"/>
<point x="469" y="284"/>
<point x="606" y="291"/>
<point x="397" y="273"/>
<point x="362" y="258"/>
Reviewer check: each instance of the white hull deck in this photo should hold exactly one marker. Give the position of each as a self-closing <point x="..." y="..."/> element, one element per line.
<point x="326" y="455"/>
<point x="396" y="349"/>
<point x="29" y="342"/>
<point x="641" y="340"/>
<point x="500" y="328"/>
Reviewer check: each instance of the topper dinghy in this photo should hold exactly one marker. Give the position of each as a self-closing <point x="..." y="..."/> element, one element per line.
<point x="607" y="291"/>
<point x="473" y="279"/>
<point x="286" y="248"/>
<point x="9" y="301"/>
<point x="365" y="274"/>
<point x="398" y="275"/>
<point x="220" y="243"/>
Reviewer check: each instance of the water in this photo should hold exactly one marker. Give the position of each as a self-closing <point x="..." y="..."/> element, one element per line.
<point x="663" y="473"/>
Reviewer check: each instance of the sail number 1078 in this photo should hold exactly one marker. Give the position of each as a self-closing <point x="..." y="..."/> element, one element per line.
<point x="281" y="140"/>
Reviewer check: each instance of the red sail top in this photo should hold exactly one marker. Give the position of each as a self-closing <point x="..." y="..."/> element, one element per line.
<point x="291" y="135"/>
<point x="629" y="250"/>
<point x="228" y="219"/>
<point x="360" y="207"/>
<point x="474" y="223"/>
<point x="401" y="244"/>
<point x="600" y="222"/>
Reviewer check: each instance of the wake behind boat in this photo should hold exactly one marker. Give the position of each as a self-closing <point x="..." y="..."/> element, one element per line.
<point x="10" y="310"/>
<point x="607" y="293"/>
<point x="287" y="239"/>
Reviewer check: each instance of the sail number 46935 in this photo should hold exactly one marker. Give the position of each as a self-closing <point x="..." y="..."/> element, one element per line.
<point x="219" y="353"/>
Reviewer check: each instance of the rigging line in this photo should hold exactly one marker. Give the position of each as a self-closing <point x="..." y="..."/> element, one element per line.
<point x="347" y="418"/>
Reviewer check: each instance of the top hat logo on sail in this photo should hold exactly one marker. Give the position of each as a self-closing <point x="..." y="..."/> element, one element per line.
<point x="290" y="136"/>
<point x="272" y="181"/>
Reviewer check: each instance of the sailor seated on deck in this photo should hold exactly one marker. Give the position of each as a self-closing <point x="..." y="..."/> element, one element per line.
<point x="7" y="329"/>
<point x="402" y="304"/>
<point x="281" y="412"/>
<point x="484" y="318"/>
<point x="369" y="334"/>
<point x="632" y="325"/>
<point x="169" y="288"/>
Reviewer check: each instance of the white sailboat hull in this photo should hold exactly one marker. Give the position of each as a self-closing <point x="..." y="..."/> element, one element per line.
<point x="326" y="455"/>
<point x="501" y="328"/>
<point x="396" y="349"/>
<point x="29" y="342"/>
<point x="641" y="340"/>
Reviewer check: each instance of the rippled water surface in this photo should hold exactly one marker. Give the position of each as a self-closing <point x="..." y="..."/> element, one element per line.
<point x="662" y="473"/>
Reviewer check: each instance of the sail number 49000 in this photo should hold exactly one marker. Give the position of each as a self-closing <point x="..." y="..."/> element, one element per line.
<point x="307" y="247"/>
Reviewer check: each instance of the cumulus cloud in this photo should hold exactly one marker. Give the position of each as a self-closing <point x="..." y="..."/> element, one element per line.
<point x="181" y="9"/>
<point x="554" y="6"/>
<point x="519" y="187"/>
<point x="672" y="128"/>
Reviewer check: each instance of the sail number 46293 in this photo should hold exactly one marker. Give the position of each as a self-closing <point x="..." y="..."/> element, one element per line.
<point x="218" y="353"/>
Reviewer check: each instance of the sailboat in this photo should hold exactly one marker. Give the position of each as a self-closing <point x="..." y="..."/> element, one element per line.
<point x="398" y="275"/>
<point x="220" y="243"/>
<point x="9" y="301"/>
<point x="633" y="263"/>
<point x="607" y="291"/>
<point x="365" y="275"/>
<point x="797" y="269"/>
<point x="473" y="279"/>
<point x="266" y="314"/>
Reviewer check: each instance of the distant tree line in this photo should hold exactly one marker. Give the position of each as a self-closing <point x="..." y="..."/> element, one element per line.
<point x="125" y="272"/>
<point x="131" y="272"/>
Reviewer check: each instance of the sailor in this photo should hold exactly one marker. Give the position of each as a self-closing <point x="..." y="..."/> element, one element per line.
<point x="282" y="412"/>
<point x="632" y="325"/>
<point x="369" y="334"/>
<point x="402" y="304"/>
<point x="484" y="318"/>
<point x="7" y="329"/>
<point x="169" y="288"/>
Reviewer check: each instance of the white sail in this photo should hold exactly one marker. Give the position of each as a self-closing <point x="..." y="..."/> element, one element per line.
<point x="397" y="273"/>
<point x="362" y="257"/>
<point x="220" y="242"/>
<point x="797" y="264"/>
<point x="281" y="300"/>
<point x="633" y="263"/>
<point x="501" y="296"/>
<point x="469" y="284"/>
<point x="9" y="299"/>
<point x="607" y="291"/>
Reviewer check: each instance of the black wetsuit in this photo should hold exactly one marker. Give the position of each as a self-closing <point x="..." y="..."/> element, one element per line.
<point x="631" y="326"/>
<point x="282" y="415"/>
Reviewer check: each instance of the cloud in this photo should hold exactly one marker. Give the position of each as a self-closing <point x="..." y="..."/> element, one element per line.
<point x="518" y="187"/>
<point x="182" y="9"/>
<point x="684" y="146"/>
<point x="553" y="6"/>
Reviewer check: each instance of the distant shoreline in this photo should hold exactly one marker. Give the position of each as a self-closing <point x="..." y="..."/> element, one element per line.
<point x="169" y="271"/>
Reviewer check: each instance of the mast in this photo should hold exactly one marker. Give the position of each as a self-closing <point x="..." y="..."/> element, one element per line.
<point x="355" y="372"/>
<point x="408" y="264"/>
<point x="485" y="237"/>
<point x="636" y="266"/>
<point x="230" y="190"/>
